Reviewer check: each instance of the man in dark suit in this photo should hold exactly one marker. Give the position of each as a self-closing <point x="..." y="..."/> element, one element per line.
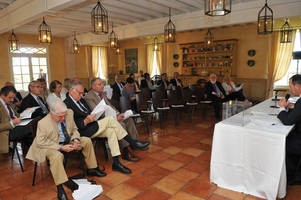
<point x="117" y="88"/>
<point x="33" y="99"/>
<point x="216" y="93"/>
<point x="293" y="140"/>
<point x="9" y="119"/>
<point x="164" y="83"/>
<point x="94" y="96"/>
<point x="18" y="98"/>
<point x="176" y="82"/>
<point x="107" y="127"/>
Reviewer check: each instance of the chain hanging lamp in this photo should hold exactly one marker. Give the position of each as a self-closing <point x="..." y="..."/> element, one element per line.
<point x="75" y="45"/>
<point x="113" y="39"/>
<point x="265" y="20"/>
<point x="209" y="38"/>
<point x="170" y="30"/>
<point x="286" y="33"/>
<point x="45" y="33"/>
<point x="217" y="7"/>
<point x="155" y="44"/>
<point x="13" y="42"/>
<point x="117" y="51"/>
<point x="99" y="19"/>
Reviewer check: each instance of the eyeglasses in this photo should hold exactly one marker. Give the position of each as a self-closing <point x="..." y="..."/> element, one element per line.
<point x="79" y="92"/>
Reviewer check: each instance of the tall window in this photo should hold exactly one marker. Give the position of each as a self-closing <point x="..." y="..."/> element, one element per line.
<point x="99" y="62"/>
<point x="293" y="69"/>
<point x="28" y="63"/>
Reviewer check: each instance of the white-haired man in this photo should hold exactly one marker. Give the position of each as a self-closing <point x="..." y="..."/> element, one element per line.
<point x="57" y="134"/>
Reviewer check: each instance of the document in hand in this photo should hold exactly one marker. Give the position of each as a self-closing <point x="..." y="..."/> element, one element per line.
<point x="26" y="114"/>
<point x="127" y="114"/>
<point x="239" y="87"/>
<point x="99" y="109"/>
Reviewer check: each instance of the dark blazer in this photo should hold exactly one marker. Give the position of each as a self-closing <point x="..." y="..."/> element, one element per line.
<point x="293" y="116"/>
<point x="116" y="92"/>
<point x="161" y="83"/>
<point x="209" y="88"/>
<point x="144" y="84"/>
<point x="174" y="82"/>
<point x="79" y="117"/>
<point x="28" y="102"/>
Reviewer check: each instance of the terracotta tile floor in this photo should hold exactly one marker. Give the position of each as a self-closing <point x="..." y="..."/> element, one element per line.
<point x="176" y="167"/>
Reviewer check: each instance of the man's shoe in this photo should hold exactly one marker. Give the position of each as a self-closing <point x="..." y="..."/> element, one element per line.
<point x="61" y="194"/>
<point x="71" y="185"/>
<point x="121" y="168"/>
<point x="129" y="156"/>
<point x="96" y="172"/>
<point x="140" y="145"/>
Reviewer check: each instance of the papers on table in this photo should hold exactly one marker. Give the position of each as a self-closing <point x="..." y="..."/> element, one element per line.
<point x="86" y="191"/>
<point x="103" y="108"/>
<point x="26" y="114"/>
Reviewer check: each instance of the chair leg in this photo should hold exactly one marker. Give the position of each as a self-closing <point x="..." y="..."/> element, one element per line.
<point x="18" y="155"/>
<point x="146" y="124"/>
<point x="34" y="173"/>
<point x="161" y="119"/>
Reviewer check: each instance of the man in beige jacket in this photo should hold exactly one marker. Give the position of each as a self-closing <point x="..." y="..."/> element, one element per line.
<point x="57" y="134"/>
<point x="93" y="97"/>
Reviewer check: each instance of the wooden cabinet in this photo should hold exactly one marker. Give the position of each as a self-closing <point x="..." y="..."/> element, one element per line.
<point x="201" y="59"/>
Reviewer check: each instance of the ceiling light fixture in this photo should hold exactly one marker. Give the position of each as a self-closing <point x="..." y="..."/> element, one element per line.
<point x="99" y="19"/>
<point x="45" y="33"/>
<point x="117" y="51"/>
<point x="265" y="20"/>
<point x="75" y="45"/>
<point x="169" y="30"/>
<point x="286" y="33"/>
<point x="209" y="38"/>
<point x="113" y="39"/>
<point x="155" y="44"/>
<point x="13" y="42"/>
<point x="217" y="7"/>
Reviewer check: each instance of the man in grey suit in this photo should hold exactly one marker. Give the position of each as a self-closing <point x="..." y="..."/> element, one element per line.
<point x="93" y="97"/>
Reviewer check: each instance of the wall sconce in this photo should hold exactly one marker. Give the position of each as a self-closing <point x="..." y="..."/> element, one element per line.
<point x="13" y="42"/>
<point x="99" y="19"/>
<point x="45" y="33"/>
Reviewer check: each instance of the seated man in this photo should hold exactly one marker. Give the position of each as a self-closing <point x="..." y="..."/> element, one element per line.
<point x="216" y="93"/>
<point x="94" y="96"/>
<point x="107" y="127"/>
<point x="57" y="134"/>
<point x="293" y="141"/>
<point x="9" y="118"/>
<point x="18" y="98"/>
<point x="33" y="99"/>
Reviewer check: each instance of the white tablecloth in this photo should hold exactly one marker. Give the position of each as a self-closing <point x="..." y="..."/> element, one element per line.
<point x="248" y="152"/>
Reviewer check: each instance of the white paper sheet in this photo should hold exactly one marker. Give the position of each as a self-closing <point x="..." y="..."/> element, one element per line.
<point x="24" y="122"/>
<point x="99" y="109"/>
<point x="86" y="191"/>
<point x="26" y="114"/>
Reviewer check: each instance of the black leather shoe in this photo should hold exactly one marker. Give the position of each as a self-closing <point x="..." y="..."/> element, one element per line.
<point x="129" y="156"/>
<point x="71" y="185"/>
<point x="61" y="194"/>
<point x="121" y="168"/>
<point x="140" y="145"/>
<point x="96" y="172"/>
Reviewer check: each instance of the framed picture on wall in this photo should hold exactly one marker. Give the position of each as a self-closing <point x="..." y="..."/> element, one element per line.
<point x="131" y="60"/>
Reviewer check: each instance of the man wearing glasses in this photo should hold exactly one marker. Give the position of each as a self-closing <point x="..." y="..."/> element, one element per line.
<point x="107" y="127"/>
<point x="33" y="99"/>
<point x="57" y="134"/>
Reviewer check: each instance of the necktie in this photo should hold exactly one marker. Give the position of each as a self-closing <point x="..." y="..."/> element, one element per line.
<point x="66" y="135"/>
<point x="11" y="114"/>
<point x="42" y="105"/>
<point x="100" y="96"/>
<point x="83" y="108"/>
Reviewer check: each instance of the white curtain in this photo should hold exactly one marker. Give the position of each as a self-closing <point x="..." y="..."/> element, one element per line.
<point x="154" y="60"/>
<point x="99" y="62"/>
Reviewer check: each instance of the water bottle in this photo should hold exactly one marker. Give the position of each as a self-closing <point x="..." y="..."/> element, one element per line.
<point x="225" y="111"/>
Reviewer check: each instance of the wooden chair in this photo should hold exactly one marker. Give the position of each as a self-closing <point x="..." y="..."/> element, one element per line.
<point x="190" y="101"/>
<point x="176" y="102"/>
